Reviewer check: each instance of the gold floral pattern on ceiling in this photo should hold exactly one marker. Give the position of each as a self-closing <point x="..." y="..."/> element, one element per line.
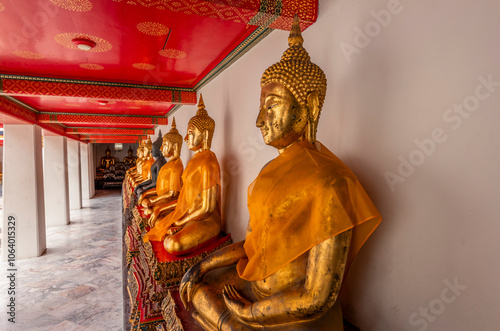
<point x="143" y="66"/>
<point x="153" y="29"/>
<point x="28" y="55"/>
<point x="172" y="53"/>
<point x="74" y="5"/>
<point x="91" y="66"/>
<point x="66" y="40"/>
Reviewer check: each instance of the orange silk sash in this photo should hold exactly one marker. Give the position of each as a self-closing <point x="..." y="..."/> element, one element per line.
<point x="202" y="172"/>
<point x="301" y="198"/>
<point x="146" y="168"/>
<point x="169" y="177"/>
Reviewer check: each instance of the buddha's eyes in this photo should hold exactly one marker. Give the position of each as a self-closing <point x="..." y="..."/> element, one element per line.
<point x="271" y="106"/>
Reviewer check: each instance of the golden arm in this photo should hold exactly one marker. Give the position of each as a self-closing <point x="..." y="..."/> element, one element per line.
<point x="226" y="256"/>
<point x="312" y="299"/>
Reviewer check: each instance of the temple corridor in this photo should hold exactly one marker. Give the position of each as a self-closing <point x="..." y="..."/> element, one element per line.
<point x="77" y="283"/>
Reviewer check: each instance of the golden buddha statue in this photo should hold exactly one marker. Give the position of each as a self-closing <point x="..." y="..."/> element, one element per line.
<point x="130" y="159"/>
<point x="145" y="168"/>
<point x="168" y="184"/>
<point x="107" y="160"/>
<point x="308" y="217"/>
<point x="154" y="170"/>
<point x="132" y="172"/>
<point x="196" y="218"/>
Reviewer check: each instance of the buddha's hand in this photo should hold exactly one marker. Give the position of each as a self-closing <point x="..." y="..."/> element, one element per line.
<point x="237" y="304"/>
<point x="191" y="278"/>
<point x="152" y="219"/>
<point x="173" y="230"/>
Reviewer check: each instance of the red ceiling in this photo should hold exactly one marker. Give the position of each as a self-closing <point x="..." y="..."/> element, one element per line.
<point x="91" y="106"/>
<point x="27" y="26"/>
<point x="161" y="51"/>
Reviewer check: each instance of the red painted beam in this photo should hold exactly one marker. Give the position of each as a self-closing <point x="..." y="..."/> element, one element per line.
<point x="106" y="131"/>
<point x="99" y="137"/>
<point x="21" y="85"/>
<point x="100" y="141"/>
<point x="101" y="120"/>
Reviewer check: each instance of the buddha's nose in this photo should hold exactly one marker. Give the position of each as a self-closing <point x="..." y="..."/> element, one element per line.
<point x="260" y="120"/>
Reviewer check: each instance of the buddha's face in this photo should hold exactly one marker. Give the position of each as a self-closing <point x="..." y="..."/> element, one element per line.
<point x="130" y="152"/>
<point x="282" y="121"/>
<point x="167" y="149"/>
<point x="108" y="153"/>
<point x="194" y="138"/>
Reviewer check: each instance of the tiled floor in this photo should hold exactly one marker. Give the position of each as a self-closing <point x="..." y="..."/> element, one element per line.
<point x="77" y="283"/>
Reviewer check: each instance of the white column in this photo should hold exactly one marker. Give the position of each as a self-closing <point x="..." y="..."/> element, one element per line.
<point x="23" y="191"/>
<point x="74" y="175"/>
<point x="91" y="170"/>
<point x="84" y="157"/>
<point x="55" y="175"/>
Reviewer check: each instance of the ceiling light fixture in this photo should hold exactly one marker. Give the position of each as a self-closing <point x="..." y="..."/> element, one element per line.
<point x="84" y="44"/>
<point x="102" y="102"/>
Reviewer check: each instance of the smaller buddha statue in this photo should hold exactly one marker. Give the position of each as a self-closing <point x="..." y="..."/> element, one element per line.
<point x="168" y="185"/>
<point x="132" y="172"/>
<point x="130" y="159"/>
<point x="145" y="168"/>
<point x="159" y="161"/>
<point x="107" y="160"/>
<point x="196" y="218"/>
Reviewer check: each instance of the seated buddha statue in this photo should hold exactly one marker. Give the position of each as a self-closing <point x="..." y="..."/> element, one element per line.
<point x="156" y="201"/>
<point x="308" y="217"/>
<point x="132" y="171"/>
<point x="196" y="218"/>
<point x="130" y="159"/>
<point x="107" y="160"/>
<point x="159" y="161"/>
<point x="145" y="169"/>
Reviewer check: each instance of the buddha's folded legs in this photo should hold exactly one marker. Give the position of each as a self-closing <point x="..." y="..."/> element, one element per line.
<point x="193" y="235"/>
<point x="212" y="314"/>
<point x="211" y="311"/>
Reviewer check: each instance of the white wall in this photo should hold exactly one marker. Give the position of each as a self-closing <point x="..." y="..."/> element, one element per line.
<point x="440" y="222"/>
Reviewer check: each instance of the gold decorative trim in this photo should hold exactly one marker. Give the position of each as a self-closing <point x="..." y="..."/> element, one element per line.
<point x="168" y="311"/>
<point x="171" y="53"/>
<point x="153" y="28"/>
<point x="143" y="66"/>
<point x="74" y="5"/>
<point x="91" y="66"/>
<point x="28" y="55"/>
<point x="66" y="40"/>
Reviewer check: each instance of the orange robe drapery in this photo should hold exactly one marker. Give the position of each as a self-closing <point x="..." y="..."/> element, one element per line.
<point x="169" y="177"/>
<point x="301" y="198"/>
<point x="202" y="172"/>
<point x="146" y="168"/>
